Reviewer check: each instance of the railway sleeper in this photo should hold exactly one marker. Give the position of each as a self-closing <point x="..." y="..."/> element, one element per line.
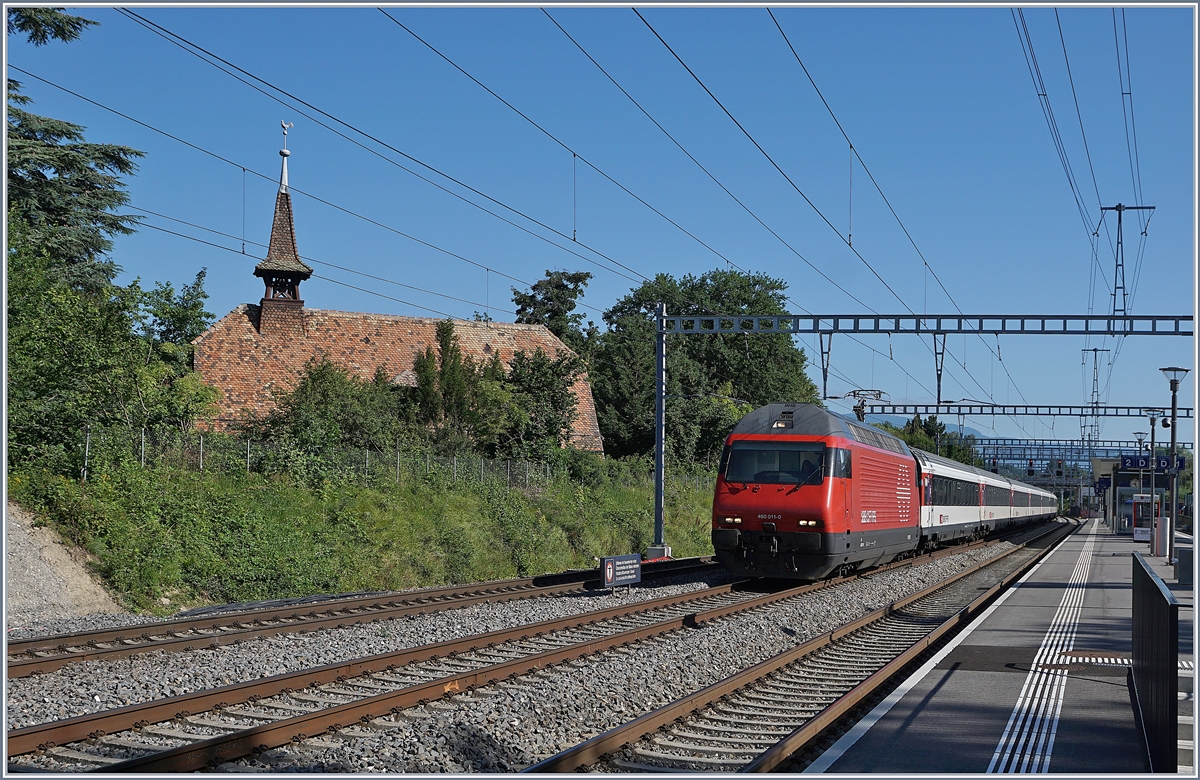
<point x="239" y="712"/>
<point x="322" y="700"/>
<point x="159" y="730"/>
<point x="284" y="706"/>
<point x="805" y="713"/>
<point x="735" y="718"/>
<point x="711" y="764"/>
<point x="723" y="750"/>
<point x="198" y="720"/>
<point x="722" y="729"/>
<point x="80" y="756"/>
<point x="773" y="700"/>
<point x="756" y="711"/>
<point x="684" y="733"/>
<point x="119" y="740"/>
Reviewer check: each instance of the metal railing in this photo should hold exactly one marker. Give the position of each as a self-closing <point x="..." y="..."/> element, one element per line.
<point x="1156" y="664"/>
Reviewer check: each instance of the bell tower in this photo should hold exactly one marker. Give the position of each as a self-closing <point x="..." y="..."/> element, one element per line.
<point x="281" y="309"/>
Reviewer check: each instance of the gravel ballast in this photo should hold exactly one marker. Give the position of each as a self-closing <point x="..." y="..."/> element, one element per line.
<point x="93" y="686"/>
<point x="502" y="727"/>
<point x="514" y="724"/>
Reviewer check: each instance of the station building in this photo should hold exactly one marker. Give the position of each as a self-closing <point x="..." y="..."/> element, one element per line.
<point x="258" y="350"/>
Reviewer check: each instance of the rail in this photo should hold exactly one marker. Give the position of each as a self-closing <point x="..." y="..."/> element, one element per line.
<point x="47" y="653"/>
<point x="48" y="736"/>
<point x="594" y="749"/>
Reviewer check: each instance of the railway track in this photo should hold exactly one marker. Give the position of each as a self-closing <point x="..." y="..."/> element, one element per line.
<point x="192" y="731"/>
<point x="47" y="653"/>
<point x="758" y="718"/>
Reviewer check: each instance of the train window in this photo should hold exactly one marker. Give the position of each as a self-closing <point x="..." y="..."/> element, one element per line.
<point x="775" y="462"/>
<point x="837" y="462"/>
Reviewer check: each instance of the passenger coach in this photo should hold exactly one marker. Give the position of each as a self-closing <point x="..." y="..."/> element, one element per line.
<point x="803" y="492"/>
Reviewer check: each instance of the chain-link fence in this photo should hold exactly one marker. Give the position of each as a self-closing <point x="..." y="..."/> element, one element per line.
<point x="102" y="448"/>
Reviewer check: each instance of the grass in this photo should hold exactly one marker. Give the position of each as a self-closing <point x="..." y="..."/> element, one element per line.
<point x="166" y="538"/>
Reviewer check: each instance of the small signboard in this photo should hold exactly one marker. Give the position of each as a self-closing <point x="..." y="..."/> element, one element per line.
<point x="1141" y="534"/>
<point x="620" y="570"/>
<point x="1104" y="483"/>
<point x="1162" y="463"/>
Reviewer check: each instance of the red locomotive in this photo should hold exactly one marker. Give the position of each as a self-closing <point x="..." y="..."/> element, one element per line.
<point x="803" y="492"/>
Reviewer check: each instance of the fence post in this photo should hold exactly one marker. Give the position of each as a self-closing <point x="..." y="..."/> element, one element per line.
<point x="87" y="448"/>
<point x="247" y="456"/>
<point x="202" y="452"/>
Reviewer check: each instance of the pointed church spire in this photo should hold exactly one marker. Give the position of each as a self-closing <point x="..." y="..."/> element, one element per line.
<point x="282" y="268"/>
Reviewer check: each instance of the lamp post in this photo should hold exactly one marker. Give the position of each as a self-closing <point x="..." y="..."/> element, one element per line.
<point x="1153" y="414"/>
<point x="1141" y="437"/>
<point x="1174" y="375"/>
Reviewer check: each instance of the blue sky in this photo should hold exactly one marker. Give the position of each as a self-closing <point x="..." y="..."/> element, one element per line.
<point x="939" y="103"/>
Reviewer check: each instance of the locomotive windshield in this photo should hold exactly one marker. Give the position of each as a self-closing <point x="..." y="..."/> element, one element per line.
<point x="775" y="462"/>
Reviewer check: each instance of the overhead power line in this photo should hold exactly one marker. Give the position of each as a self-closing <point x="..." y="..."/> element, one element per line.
<point x="574" y="153"/>
<point x="208" y="57"/>
<point x="771" y="160"/>
<point x="218" y="62"/>
<point x="291" y="187"/>
<point x="313" y="260"/>
<point x="784" y="174"/>
<point x="855" y="151"/>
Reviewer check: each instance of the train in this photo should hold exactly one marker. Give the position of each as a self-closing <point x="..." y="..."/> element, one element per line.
<point x="806" y="493"/>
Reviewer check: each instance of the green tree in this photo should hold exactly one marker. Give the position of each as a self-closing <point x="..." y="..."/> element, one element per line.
<point x="42" y="24"/>
<point x="330" y="409"/>
<point x="178" y="319"/>
<point x="429" y="399"/>
<point x="453" y="377"/>
<point x="551" y="302"/>
<point x="82" y="350"/>
<point x="759" y="368"/>
<point x="542" y="389"/>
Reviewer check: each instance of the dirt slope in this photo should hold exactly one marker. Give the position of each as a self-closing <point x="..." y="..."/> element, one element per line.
<point x="46" y="579"/>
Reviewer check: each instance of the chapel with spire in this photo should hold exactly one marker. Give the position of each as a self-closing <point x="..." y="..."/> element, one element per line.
<point x="257" y="351"/>
<point x="282" y="270"/>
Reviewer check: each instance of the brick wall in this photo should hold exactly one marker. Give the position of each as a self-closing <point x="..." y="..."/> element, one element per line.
<point x="281" y="318"/>
<point x="248" y="366"/>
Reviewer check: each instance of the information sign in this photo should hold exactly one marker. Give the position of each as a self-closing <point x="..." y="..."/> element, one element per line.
<point x="620" y="570"/>
<point x="1141" y="534"/>
<point x="1162" y="463"/>
<point x="1104" y="483"/>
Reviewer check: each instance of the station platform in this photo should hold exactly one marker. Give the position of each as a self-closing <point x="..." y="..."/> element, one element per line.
<point x="1040" y="682"/>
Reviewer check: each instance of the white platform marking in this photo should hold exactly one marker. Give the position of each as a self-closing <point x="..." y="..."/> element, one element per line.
<point x="1028" y="739"/>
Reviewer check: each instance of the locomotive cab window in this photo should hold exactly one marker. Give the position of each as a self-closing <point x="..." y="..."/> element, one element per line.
<point x="776" y="462"/>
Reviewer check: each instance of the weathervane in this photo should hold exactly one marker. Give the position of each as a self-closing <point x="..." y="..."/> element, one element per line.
<point x="285" y="126"/>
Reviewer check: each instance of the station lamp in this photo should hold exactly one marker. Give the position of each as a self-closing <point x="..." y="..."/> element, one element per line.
<point x="1174" y="375"/>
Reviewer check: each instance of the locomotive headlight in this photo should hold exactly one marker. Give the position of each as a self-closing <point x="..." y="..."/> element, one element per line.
<point x="733" y="520"/>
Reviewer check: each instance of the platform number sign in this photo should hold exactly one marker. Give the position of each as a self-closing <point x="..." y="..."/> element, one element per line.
<point x="1162" y="463"/>
<point x="620" y="570"/>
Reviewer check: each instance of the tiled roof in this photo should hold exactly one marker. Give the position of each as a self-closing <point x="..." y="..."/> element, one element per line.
<point x="248" y="366"/>
<point x="281" y="253"/>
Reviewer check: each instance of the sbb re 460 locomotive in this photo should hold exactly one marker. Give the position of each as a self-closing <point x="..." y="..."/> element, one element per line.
<point x="803" y="493"/>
